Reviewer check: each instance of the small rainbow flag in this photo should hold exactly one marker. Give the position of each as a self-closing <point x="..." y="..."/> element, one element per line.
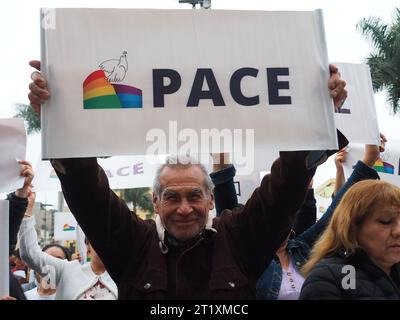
<point x="99" y="93"/>
<point x="381" y="166"/>
<point x="67" y="227"/>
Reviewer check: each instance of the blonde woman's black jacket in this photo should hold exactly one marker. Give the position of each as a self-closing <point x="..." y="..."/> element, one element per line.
<point x="330" y="279"/>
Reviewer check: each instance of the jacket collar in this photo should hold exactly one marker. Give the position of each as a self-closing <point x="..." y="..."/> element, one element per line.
<point x="360" y="258"/>
<point x="161" y="232"/>
<point x="93" y="278"/>
<point x="105" y="277"/>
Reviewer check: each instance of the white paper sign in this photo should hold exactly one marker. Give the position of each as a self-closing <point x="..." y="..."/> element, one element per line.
<point x="4" y="243"/>
<point x="246" y="184"/>
<point x="123" y="172"/>
<point x="82" y="249"/>
<point x="64" y="226"/>
<point x="12" y="149"/>
<point x="127" y="81"/>
<point x="357" y="119"/>
<point x="323" y="196"/>
<point x="388" y="166"/>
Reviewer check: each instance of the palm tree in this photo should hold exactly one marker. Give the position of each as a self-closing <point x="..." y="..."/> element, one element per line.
<point x="29" y="115"/>
<point x="385" y="61"/>
<point x="140" y="199"/>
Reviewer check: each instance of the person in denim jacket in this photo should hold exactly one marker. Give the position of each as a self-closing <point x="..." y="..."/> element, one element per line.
<point x="294" y="252"/>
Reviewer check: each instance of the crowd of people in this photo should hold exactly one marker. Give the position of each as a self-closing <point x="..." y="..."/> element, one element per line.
<point x="270" y="248"/>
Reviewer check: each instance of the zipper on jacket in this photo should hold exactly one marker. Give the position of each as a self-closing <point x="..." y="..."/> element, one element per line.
<point x="179" y="259"/>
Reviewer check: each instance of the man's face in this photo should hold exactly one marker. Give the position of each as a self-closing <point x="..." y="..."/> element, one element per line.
<point x="183" y="205"/>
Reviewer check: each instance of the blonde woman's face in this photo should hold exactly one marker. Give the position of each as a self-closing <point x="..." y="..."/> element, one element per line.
<point x="379" y="236"/>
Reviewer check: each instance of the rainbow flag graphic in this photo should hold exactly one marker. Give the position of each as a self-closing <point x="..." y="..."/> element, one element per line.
<point x="381" y="166"/>
<point x="67" y="227"/>
<point x="99" y="93"/>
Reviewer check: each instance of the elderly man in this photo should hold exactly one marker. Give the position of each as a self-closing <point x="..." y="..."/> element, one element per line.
<point x="184" y="254"/>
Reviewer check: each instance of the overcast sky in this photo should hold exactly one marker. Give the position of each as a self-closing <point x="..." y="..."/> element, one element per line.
<point x="19" y="25"/>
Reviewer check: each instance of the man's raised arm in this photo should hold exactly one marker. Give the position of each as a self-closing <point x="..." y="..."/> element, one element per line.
<point x="105" y="219"/>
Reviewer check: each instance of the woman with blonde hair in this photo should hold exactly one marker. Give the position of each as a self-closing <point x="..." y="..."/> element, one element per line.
<point x="358" y="255"/>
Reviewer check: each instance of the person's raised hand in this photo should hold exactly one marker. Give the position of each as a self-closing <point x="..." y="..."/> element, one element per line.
<point x="383" y="142"/>
<point x="372" y="152"/>
<point x="28" y="174"/>
<point x="220" y="161"/>
<point x="336" y="87"/>
<point x="340" y="158"/>
<point x="38" y="90"/>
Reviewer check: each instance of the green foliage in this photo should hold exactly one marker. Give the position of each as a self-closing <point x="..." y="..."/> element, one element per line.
<point x="30" y="116"/>
<point x="140" y="198"/>
<point x="385" y="61"/>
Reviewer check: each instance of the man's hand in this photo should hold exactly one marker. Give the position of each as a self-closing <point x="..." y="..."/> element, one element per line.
<point x="27" y="173"/>
<point x="38" y="88"/>
<point x="372" y="152"/>
<point x="336" y="87"/>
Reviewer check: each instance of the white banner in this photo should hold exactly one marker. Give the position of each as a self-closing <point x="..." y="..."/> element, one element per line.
<point x="388" y="165"/>
<point x="12" y="149"/>
<point x="123" y="172"/>
<point x="4" y="243"/>
<point x="64" y="226"/>
<point x="126" y="81"/>
<point x="357" y="119"/>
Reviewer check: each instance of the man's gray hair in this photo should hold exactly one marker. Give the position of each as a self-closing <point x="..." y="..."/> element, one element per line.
<point x="175" y="162"/>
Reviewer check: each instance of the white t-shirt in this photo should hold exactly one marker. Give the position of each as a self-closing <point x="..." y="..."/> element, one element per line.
<point x="33" y="295"/>
<point x="292" y="281"/>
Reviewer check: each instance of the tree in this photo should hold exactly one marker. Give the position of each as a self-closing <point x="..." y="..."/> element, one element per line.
<point x="29" y="115"/>
<point x="139" y="197"/>
<point x="385" y="61"/>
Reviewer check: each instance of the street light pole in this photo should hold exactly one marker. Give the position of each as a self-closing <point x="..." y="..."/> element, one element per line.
<point x="204" y="4"/>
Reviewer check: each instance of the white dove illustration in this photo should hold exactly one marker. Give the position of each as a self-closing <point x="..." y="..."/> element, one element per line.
<point x="115" y="69"/>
